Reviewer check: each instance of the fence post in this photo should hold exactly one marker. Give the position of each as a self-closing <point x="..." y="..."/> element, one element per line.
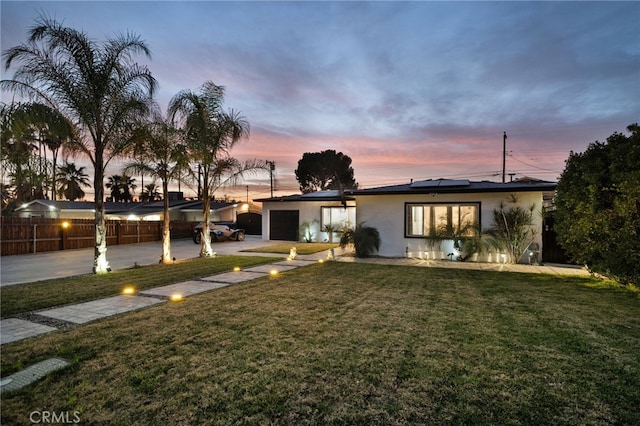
<point x="35" y="238"/>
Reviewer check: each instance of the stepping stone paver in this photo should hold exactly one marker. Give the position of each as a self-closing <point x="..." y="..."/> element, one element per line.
<point x="90" y="311"/>
<point x="30" y="374"/>
<point x="14" y="329"/>
<point x="235" y="277"/>
<point x="266" y="269"/>
<point x="295" y="262"/>
<point x="186" y="288"/>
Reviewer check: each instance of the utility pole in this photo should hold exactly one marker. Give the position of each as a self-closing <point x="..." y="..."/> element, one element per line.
<point x="504" y="154"/>
<point x="247" y="194"/>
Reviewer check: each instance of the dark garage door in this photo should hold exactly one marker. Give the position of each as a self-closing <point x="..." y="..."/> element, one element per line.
<point x="283" y="225"/>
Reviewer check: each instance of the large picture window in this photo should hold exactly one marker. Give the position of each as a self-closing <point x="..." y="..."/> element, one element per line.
<point x="442" y="220"/>
<point x="338" y="217"/>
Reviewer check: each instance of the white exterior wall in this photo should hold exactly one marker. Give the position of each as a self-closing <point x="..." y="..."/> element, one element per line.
<point x="46" y="212"/>
<point x="309" y="211"/>
<point x="387" y="214"/>
<point x="226" y="214"/>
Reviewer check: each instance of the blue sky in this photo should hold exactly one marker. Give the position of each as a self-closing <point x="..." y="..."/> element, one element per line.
<point x="406" y="89"/>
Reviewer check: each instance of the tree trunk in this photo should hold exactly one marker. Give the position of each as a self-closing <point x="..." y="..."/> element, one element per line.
<point x="166" y="223"/>
<point x="100" y="263"/>
<point x="53" y="174"/>
<point x="205" y="241"/>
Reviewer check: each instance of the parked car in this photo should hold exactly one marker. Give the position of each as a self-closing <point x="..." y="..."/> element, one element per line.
<point x="219" y="232"/>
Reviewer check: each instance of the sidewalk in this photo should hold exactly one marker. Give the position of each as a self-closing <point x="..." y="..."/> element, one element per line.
<point x="551" y="269"/>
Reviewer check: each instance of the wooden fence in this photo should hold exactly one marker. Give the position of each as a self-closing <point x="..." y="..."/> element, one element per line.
<point x="35" y="235"/>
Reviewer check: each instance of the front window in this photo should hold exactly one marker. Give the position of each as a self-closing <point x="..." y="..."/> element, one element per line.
<point x="338" y="217"/>
<point x="442" y="220"/>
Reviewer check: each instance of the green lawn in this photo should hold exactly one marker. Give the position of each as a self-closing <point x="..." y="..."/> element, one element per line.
<point x="339" y="343"/>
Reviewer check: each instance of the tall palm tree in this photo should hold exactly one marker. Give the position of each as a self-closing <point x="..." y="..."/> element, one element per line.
<point x="99" y="86"/>
<point x="210" y="134"/>
<point x="161" y="153"/>
<point x="121" y="187"/>
<point x="71" y="179"/>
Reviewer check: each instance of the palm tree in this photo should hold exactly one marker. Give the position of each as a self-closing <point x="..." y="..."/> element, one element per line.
<point x="150" y="192"/>
<point x="6" y="195"/>
<point x="19" y="163"/>
<point x="96" y="85"/>
<point x="71" y="180"/>
<point x="121" y="188"/>
<point x="365" y="239"/>
<point x="161" y="153"/>
<point x="44" y="125"/>
<point x="210" y="134"/>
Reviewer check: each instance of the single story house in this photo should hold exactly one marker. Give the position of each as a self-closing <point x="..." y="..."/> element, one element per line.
<point x="405" y="215"/>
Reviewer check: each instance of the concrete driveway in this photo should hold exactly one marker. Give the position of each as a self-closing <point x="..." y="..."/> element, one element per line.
<point x="28" y="268"/>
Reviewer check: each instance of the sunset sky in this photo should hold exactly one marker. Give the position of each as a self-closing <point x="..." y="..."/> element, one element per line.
<point x="406" y="89"/>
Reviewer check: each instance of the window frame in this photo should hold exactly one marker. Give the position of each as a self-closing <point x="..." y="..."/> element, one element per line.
<point x="322" y="224"/>
<point x="432" y="219"/>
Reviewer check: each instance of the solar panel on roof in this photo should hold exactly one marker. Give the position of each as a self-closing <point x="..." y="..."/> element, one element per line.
<point x="439" y="183"/>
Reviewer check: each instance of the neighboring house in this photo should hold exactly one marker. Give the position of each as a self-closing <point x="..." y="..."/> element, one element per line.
<point x="67" y="209"/>
<point x="405" y="215"/>
<point x="299" y="217"/>
<point x="179" y="210"/>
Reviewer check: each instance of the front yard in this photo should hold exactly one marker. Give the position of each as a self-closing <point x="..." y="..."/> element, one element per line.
<point x="339" y="343"/>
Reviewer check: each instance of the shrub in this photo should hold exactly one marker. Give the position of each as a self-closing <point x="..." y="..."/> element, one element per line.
<point x="598" y="209"/>
<point x="365" y="239"/>
<point x="512" y="229"/>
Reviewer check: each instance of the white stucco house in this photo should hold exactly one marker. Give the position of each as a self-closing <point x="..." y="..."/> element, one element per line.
<point x="405" y="215"/>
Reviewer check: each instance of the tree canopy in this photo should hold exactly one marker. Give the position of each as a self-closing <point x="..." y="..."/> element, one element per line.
<point x="598" y="206"/>
<point x="319" y="171"/>
<point x="210" y="134"/>
<point x="96" y="85"/>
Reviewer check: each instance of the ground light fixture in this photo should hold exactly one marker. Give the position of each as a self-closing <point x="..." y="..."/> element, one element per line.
<point x="129" y="290"/>
<point x="236" y="269"/>
<point x="176" y="297"/>
<point x="273" y="272"/>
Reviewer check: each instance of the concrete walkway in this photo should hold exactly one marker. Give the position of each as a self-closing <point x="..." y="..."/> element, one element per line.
<point x="551" y="269"/>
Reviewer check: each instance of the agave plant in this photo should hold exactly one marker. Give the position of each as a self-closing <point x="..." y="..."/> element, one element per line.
<point x="365" y="239"/>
